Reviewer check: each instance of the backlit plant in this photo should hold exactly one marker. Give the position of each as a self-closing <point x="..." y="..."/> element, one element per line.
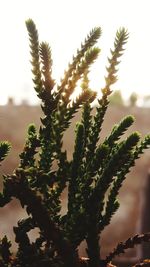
<point x="93" y="176"/>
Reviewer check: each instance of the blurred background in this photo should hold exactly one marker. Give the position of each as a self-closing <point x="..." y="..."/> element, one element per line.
<point x="133" y="214"/>
<point x="64" y="24"/>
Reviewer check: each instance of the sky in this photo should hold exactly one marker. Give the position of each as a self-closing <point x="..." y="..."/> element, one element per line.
<point x="65" y="24"/>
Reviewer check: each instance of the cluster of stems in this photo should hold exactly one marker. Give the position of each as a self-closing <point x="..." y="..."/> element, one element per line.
<point x="95" y="169"/>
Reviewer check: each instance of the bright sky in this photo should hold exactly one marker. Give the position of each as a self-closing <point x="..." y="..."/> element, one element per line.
<point x="64" y="24"/>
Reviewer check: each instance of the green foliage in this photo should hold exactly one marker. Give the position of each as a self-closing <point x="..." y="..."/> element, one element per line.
<point x="97" y="169"/>
<point x="133" y="99"/>
<point x="34" y="44"/>
<point x="116" y="98"/>
<point x="4" y="150"/>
